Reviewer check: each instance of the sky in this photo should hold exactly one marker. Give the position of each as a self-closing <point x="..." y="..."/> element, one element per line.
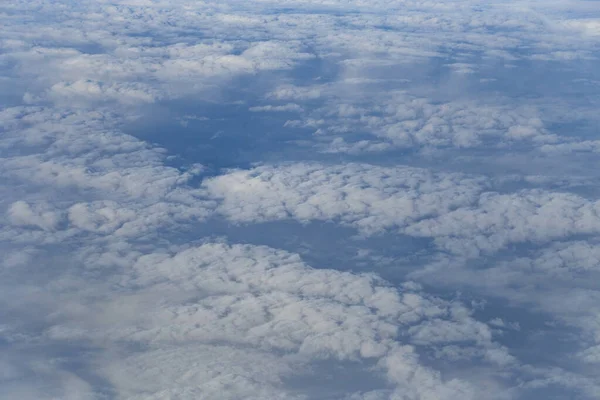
<point x="299" y="199"/>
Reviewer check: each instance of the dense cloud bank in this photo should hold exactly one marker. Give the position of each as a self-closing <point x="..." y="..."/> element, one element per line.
<point x="153" y="152"/>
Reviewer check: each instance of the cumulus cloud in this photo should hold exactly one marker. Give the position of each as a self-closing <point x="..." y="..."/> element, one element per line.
<point x="113" y="284"/>
<point x="371" y="198"/>
<point x="22" y="214"/>
<point x="111" y="293"/>
<point x="459" y="212"/>
<point x="290" y="107"/>
<point x="119" y="184"/>
<point x="556" y="281"/>
<point x="250" y="319"/>
<point x="90" y="91"/>
<point x="400" y="120"/>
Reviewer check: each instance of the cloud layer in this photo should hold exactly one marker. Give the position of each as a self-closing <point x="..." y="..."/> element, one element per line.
<point x="455" y="141"/>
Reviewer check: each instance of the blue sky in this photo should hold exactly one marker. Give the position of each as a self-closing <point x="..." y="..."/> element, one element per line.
<point x="299" y="199"/>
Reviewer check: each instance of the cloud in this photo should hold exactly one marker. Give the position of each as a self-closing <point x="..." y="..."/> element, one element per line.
<point x="116" y="183"/>
<point x="555" y="282"/>
<point x="105" y="58"/>
<point x="588" y="27"/>
<point x="111" y="293"/>
<point x="591" y="355"/>
<point x="368" y="197"/>
<point x="252" y="319"/>
<point x="201" y="372"/>
<point x="290" y="107"/>
<point x="399" y="120"/>
<point x="50" y="383"/>
<point x="529" y="216"/>
<point x="113" y="284"/>
<point x="90" y="91"/>
<point x="22" y="214"/>
<point x="459" y="212"/>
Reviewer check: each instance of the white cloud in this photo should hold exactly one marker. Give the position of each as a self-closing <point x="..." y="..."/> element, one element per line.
<point x="368" y="197"/>
<point x="458" y="211"/>
<point x="115" y="183"/>
<point x="316" y="314"/>
<point x="106" y="290"/>
<point x="290" y="107"/>
<point x="109" y="291"/>
<point x="22" y="214"/>
<point x="529" y="216"/>
<point x="15" y="379"/>
<point x="591" y="355"/>
<point x="588" y="27"/>
<point x="201" y="372"/>
<point x="400" y="120"/>
<point x="90" y="91"/>
<point x="556" y="282"/>
<point x="247" y="320"/>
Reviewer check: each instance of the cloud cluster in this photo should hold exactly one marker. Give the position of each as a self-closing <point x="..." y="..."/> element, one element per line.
<point x="557" y="280"/>
<point x="119" y="283"/>
<point x="359" y="115"/>
<point x="103" y="55"/>
<point x="252" y="319"/>
<point x="53" y="151"/>
<point x="461" y="213"/>
<point x="406" y="121"/>
<point x="109" y="287"/>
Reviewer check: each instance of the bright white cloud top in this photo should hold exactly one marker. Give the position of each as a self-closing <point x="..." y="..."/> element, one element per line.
<point x="299" y="200"/>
